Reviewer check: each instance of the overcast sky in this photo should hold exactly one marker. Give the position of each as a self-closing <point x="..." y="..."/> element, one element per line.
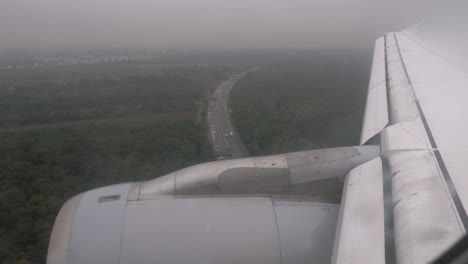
<point x="221" y="24"/>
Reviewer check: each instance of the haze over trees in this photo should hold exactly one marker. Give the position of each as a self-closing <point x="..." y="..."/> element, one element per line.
<point x="305" y="100"/>
<point x="80" y="97"/>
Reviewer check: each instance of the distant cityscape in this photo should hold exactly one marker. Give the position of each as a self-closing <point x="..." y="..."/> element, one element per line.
<point x="18" y="60"/>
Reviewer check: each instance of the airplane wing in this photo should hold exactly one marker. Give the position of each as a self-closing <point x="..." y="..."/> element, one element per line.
<point x="399" y="197"/>
<point x="424" y="146"/>
<point x="415" y="112"/>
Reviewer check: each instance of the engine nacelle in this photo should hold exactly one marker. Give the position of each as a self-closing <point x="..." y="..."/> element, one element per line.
<point x="273" y="209"/>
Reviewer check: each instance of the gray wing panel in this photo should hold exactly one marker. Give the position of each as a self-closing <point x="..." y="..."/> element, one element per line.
<point x="283" y="229"/>
<point x="306" y="230"/>
<point x="427" y="113"/>
<point x="60" y="237"/>
<point x="201" y="230"/>
<point x="97" y="226"/>
<point x="376" y="115"/>
<point x="360" y="238"/>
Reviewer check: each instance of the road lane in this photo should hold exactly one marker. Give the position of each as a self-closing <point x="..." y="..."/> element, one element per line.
<point x="225" y="140"/>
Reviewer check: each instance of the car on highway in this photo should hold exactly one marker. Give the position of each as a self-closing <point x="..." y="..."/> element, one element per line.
<point x="231" y="134"/>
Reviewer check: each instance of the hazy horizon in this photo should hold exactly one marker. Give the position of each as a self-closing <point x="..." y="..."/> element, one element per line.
<point x="200" y="24"/>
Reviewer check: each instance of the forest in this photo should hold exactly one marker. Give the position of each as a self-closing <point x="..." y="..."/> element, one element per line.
<point x="41" y="168"/>
<point x="305" y="100"/>
<point x="59" y="99"/>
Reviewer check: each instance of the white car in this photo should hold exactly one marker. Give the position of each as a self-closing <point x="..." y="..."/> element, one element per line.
<point x="231" y="134"/>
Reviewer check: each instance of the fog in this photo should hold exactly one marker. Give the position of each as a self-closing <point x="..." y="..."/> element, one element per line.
<point x="201" y="24"/>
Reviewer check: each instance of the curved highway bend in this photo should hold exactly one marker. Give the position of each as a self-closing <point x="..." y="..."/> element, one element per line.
<point x="225" y="141"/>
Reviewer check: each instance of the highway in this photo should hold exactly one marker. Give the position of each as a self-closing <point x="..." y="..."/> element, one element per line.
<point x="226" y="142"/>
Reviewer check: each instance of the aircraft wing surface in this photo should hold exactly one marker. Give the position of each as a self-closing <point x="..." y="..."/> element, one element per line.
<point x="416" y="109"/>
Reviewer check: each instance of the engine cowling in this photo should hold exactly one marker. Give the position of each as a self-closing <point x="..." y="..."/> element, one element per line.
<point x="274" y="209"/>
